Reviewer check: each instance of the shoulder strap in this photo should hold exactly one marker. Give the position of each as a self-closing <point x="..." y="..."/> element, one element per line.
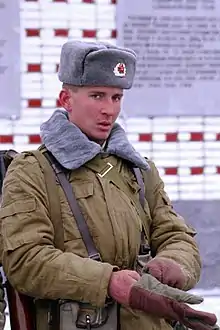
<point x="69" y="193"/>
<point x="6" y="157"/>
<point x="144" y="248"/>
<point x="53" y="197"/>
<point x="140" y="182"/>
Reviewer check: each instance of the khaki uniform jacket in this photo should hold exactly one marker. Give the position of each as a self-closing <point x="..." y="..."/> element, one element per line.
<point x="35" y="267"/>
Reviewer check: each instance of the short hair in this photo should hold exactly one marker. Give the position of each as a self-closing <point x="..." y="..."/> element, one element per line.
<point x="70" y="87"/>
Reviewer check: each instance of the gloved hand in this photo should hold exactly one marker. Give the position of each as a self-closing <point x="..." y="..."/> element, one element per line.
<point x="153" y="297"/>
<point x="120" y="285"/>
<point x="167" y="271"/>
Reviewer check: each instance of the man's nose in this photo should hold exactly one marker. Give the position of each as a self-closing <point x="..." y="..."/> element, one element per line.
<point x="108" y="108"/>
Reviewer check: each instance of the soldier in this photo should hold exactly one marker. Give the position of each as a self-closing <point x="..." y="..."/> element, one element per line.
<point x="81" y="136"/>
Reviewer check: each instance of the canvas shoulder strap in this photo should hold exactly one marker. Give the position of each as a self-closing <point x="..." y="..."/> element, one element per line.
<point x="76" y="211"/>
<point x="53" y="170"/>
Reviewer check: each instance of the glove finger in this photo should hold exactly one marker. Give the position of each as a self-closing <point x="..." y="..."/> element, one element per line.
<point x="157" y="304"/>
<point x="149" y="282"/>
<point x="194" y="324"/>
<point x="194" y="315"/>
<point x="167" y="271"/>
<point x="152" y="303"/>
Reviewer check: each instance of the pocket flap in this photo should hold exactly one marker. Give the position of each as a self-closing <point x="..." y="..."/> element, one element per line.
<point x="83" y="190"/>
<point x="18" y="206"/>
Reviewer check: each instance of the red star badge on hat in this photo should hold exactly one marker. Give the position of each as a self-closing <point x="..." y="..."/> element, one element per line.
<point x="120" y="70"/>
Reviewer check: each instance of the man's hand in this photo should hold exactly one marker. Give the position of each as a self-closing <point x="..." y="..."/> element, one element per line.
<point x="120" y="285"/>
<point x="155" y="298"/>
<point x="167" y="271"/>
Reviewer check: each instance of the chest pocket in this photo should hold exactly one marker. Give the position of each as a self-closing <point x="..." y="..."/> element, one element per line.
<point x="83" y="190"/>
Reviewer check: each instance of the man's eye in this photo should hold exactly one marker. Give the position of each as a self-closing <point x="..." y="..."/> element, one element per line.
<point x="117" y="98"/>
<point x="96" y="96"/>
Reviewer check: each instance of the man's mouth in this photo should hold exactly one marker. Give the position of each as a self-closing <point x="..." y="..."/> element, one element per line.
<point x="104" y="125"/>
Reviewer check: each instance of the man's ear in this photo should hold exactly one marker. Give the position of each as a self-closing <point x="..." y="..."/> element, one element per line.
<point x="64" y="99"/>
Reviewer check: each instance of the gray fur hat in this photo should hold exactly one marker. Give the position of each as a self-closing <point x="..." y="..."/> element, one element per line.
<point x="96" y="64"/>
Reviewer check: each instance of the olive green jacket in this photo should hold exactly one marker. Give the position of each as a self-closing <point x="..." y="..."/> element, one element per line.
<point x="35" y="267"/>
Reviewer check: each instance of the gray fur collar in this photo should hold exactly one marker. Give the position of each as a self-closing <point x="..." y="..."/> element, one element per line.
<point x="73" y="149"/>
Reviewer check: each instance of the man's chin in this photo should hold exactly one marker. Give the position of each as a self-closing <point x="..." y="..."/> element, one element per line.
<point x="100" y="138"/>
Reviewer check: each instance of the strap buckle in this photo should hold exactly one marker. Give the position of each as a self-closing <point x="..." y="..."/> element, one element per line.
<point x="144" y="249"/>
<point x="110" y="166"/>
<point x="95" y="256"/>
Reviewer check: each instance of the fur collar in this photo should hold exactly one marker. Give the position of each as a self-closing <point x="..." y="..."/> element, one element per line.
<point x="71" y="147"/>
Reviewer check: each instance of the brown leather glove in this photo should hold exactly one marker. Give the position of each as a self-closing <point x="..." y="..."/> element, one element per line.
<point x="153" y="297"/>
<point x="167" y="271"/>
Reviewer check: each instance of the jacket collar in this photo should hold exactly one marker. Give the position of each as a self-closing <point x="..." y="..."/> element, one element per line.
<point x="72" y="148"/>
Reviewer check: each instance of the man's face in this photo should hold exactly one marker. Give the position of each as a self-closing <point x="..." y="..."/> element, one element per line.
<point x="93" y="109"/>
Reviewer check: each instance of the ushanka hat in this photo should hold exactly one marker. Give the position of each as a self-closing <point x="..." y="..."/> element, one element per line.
<point x="96" y="64"/>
